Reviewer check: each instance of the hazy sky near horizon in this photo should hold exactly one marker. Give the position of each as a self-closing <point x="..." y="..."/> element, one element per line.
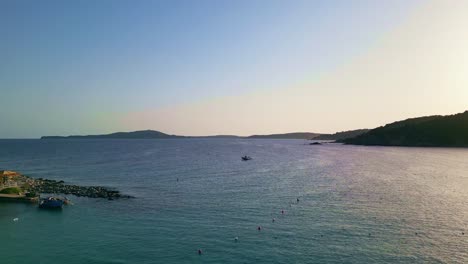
<point x="228" y="67"/>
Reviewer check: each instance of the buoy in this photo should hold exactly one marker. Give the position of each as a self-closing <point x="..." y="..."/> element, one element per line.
<point x="282" y="211"/>
<point x="15" y="219"/>
<point x="200" y="251"/>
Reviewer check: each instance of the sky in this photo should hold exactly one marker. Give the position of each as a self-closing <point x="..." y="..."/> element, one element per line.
<point x="228" y="67"/>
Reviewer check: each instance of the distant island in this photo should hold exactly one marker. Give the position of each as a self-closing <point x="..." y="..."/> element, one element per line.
<point x="429" y="131"/>
<point x="143" y="134"/>
<point x="152" y="134"/>
<point x="342" y="135"/>
<point x="296" y="135"/>
<point x="218" y="136"/>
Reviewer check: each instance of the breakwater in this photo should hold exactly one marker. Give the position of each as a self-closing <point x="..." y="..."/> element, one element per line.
<point x="52" y="186"/>
<point x="31" y="187"/>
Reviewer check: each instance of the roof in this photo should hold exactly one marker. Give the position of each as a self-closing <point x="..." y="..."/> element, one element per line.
<point x="9" y="173"/>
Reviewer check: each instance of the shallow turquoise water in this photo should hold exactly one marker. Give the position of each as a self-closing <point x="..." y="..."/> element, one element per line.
<point x="357" y="204"/>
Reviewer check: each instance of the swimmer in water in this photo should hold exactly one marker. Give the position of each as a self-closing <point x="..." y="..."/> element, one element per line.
<point x="200" y="252"/>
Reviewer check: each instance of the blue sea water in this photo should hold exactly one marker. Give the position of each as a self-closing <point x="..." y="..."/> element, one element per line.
<point x="357" y="204"/>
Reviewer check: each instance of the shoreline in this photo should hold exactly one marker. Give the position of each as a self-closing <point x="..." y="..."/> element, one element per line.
<point x="17" y="187"/>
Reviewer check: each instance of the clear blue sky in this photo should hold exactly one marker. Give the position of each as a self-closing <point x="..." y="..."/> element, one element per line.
<point x="78" y="67"/>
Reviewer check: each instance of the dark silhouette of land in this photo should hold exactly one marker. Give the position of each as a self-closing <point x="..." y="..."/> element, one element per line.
<point x="143" y="134"/>
<point x="219" y="136"/>
<point x="152" y="134"/>
<point x="342" y="135"/>
<point x="296" y="135"/>
<point x="429" y="131"/>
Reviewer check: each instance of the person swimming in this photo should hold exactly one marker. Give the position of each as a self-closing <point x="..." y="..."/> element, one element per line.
<point x="200" y="252"/>
<point x="259" y="228"/>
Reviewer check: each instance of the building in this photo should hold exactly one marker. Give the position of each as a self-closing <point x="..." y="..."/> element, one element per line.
<point x="8" y="179"/>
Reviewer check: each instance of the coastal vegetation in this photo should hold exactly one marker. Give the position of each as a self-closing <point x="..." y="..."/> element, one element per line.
<point x="11" y="190"/>
<point x="429" y="131"/>
<point x="341" y="135"/>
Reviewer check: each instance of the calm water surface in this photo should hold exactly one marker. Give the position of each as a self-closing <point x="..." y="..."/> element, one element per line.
<point x="357" y="204"/>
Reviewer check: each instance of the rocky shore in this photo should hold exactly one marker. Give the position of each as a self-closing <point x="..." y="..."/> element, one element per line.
<point x="31" y="187"/>
<point x="51" y="186"/>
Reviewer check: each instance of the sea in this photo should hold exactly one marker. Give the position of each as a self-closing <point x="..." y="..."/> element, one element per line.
<point x="328" y="203"/>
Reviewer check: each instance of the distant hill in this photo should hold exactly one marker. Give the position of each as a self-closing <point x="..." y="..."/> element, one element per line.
<point x="297" y="135"/>
<point x="219" y="136"/>
<point x="149" y="134"/>
<point x="144" y="134"/>
<point x="429" y="131"/>
<point x="342" y="135"/>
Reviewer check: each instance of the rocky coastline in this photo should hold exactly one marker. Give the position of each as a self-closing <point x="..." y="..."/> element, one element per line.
<point x="51" y="186"/>
<point x="32" y="187"/>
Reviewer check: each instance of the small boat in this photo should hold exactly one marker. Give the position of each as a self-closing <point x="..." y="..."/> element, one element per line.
<point x="246" y="158"/>
<point x="51" y="203"/>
